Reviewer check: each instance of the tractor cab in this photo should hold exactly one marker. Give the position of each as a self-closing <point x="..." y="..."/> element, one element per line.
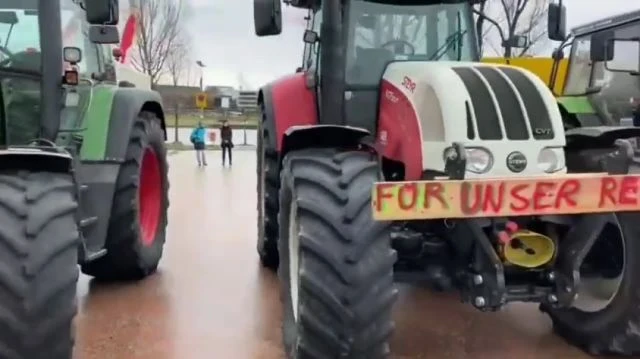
<point x="381" y="33"/>
<point x="360" y="38"/>
<point x="45" y="52"/>
<point x="602" y="85"/>
<point x="610" y="73"/>
<point x="409" y="73"/>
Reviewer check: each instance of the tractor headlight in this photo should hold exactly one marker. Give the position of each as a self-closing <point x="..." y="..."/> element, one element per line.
<point x="549" y="160"/>
<point x="479" y="160"/>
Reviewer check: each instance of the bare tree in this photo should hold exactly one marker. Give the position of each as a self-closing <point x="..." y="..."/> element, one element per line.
<point x="177" y="61"/>
<point x="176" y="64"/>
<point x="480" y="25"/>
<point x="516" y="18"/>
<point x="159" y="29"/>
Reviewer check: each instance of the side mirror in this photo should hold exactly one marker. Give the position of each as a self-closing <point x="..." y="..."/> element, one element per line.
<point x="72" y="55"/>
<point x="102" y="12"/>
<point x="104" y="34"/>
<point x="8" y="17"/>
<point x="517" y="42"/>
<point x="557" y="22"/>
<point x="627" y="56"/>
<point x="267" y="17"/>
<point x="600" y="48"/>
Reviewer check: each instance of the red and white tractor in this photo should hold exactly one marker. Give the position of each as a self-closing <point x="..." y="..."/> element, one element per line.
<point x="393" y="155"/>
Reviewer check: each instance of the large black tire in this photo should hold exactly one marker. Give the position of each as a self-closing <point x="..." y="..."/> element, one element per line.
<point x="615" y="329"/>
<point x="345" y="268"/>
<point x="38" y="265"/>
<point x="137" y="226"/>
<point x="268" y="185"/>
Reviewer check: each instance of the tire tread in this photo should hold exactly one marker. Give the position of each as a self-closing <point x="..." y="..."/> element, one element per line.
<point x="346" y="261"/>
<point x="38" y="266"/>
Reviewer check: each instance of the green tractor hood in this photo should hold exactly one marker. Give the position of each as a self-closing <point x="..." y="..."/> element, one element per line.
<point x="577" y="104"/>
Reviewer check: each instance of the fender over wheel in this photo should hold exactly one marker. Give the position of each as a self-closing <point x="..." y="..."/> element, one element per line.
<point x="137" y="226"/>
<point x="38" y="265"/>
<point x="336" y="267"/>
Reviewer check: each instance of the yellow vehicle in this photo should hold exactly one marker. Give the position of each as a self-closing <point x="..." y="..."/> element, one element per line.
<point x="540" y="66"/>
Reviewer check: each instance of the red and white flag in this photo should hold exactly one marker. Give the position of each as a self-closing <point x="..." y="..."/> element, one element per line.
<point x="130" y="29"/>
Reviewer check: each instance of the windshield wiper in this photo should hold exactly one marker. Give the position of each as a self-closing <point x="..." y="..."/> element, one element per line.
<point x="450" y="40"/>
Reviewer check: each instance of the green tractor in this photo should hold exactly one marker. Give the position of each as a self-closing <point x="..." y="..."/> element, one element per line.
<point x="602" y="87"/>
<point x="83" y="170"/>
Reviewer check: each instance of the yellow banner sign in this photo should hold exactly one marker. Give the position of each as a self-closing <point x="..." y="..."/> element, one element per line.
<point x="201" y="100"/>
<point x="562" y="194"/>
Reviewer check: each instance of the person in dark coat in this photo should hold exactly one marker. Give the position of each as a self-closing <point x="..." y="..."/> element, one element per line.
<point x="226" y="142"/>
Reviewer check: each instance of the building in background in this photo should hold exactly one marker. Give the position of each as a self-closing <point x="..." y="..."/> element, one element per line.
<point x="183" y="97"/>
<point x="222" y="91"/>
<point x="247" y="101"/>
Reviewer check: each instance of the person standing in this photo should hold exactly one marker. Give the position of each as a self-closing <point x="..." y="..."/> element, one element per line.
<point x="226" y="142"/>
<point x="198" y="139"/>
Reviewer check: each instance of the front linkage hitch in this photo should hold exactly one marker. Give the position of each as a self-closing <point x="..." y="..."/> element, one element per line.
<point x="481" y="272"/>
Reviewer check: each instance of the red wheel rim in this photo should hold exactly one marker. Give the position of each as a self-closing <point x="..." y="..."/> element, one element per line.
<point x="149" y="196"/>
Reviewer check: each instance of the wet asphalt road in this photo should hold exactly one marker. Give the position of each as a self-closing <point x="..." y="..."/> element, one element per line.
<point x="211" y="299"/>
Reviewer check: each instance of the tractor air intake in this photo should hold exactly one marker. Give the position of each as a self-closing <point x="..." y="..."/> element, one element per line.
<point x="506" y="91"/>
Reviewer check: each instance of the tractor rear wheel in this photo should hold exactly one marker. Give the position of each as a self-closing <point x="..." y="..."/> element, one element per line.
<point x="268" y="176"/>
<point x="605" y="316"/>
<point x="137" y="226"/>
<point x="336" y="267"/>
<point x="39" y="238"/>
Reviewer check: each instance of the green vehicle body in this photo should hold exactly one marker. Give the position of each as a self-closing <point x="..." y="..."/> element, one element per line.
<point x="97" y="120"/>
<point x="577" y="105"/>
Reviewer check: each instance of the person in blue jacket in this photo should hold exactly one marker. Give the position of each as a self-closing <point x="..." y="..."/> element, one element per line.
<point x="198" y="139"/>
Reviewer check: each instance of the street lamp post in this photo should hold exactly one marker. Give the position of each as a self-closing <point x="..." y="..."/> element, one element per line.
<point x="201" y="65"/>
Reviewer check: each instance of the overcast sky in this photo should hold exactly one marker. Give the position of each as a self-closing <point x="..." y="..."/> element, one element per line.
<point x="225" y="41"/>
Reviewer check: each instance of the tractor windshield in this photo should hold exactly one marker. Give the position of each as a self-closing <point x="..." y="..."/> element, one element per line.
<point x="20" y="64"/>
<point x="380" y="33"/>
<point x="579" y="75"/>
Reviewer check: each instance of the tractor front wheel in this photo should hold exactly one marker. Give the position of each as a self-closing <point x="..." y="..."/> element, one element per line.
<point x="38" y="265"/>
<point x="336" y="267"/>
<point x="605" y="316"/>
<point x="137" y="227"/>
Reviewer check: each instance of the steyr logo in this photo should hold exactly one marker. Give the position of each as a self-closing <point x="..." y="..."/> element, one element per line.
<point x="409" y="84"/>
<point x="516" y="161"/>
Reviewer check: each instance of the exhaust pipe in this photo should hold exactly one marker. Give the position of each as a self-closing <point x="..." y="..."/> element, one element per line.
<point x="51" y="50"/>
<point x="332" y="62"/>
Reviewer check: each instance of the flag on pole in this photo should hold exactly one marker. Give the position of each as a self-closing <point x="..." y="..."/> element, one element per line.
<point x="130" y="29"/>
